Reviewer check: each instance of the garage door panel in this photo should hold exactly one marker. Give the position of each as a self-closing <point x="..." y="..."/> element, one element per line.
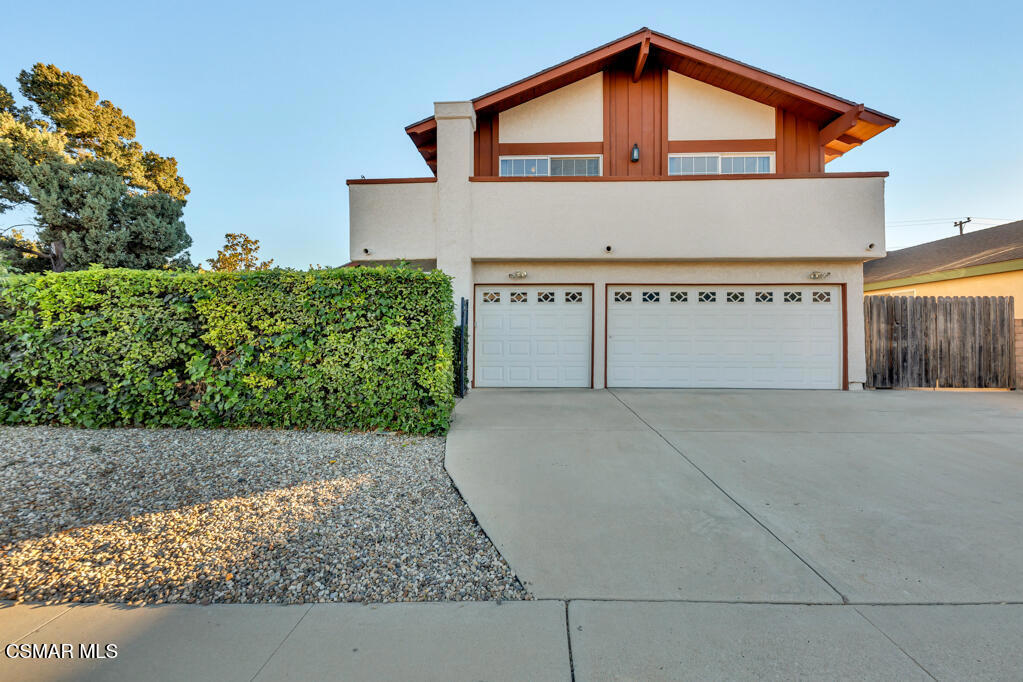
<point x="519" y="322"/>
<point x="517" y="347"/>
<point x="725" y="336"/>
<point x="533" y="335"/>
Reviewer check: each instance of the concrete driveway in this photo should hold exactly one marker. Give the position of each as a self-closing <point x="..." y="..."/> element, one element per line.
<point x="759" y="534"/>
<point x="749" y="496"/>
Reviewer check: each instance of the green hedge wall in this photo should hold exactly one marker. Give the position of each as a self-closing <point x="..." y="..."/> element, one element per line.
<point x="361" y="348"/>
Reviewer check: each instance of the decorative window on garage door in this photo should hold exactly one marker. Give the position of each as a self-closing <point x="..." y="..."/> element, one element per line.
<point x="707" y="297"/>
<point x="651" y="297"/>
<point x="822" y="297"/>
<point x="519" y="297"/>
<point x="793" y="297"/>
<point x="623" y="297"/>
<point x="573" y="297"/>
<point x="545" y="297"/>
<point x="765" y="297"/>
<point x="491" y="296"/>
<point x="679" y="297"/>
<point x="735" y="297"/>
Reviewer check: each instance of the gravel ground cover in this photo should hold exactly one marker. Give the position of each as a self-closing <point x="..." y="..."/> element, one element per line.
<point x="155" y="516"/>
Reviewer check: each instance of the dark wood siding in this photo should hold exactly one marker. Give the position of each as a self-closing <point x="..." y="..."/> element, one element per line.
<point x="637" y="113"/>
<point x="636" y="116"/>
<point x="485" y="160"/>
<point x="798" y="144"/>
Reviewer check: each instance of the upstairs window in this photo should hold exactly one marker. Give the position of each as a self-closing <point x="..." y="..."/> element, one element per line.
<point x="524" y="167"/>
<point x="719" y="164"/>
<point x="745" y="164"/>
<point x="553" y="166"/>
<point x="693" y="165"/>
<point x="580" y="165"/>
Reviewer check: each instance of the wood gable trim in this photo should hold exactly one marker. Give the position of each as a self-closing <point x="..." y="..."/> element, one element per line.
<point x="645" y="56"/>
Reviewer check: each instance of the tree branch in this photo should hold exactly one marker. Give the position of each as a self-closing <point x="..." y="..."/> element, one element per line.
<point x="11" y="244"/>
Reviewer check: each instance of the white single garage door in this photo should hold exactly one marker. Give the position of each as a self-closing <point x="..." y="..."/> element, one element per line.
<point x="724" y="336"/>
<point x="533" y="335"/>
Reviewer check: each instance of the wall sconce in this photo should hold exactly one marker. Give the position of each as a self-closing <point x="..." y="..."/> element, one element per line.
<point x="518" y="274"/>
<point x="817" y="274"/>
<point x="635" y="153"/>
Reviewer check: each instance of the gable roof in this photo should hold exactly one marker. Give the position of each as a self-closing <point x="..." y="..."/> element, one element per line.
<point x="846" y="123"/>
<point x="983" y="247"/>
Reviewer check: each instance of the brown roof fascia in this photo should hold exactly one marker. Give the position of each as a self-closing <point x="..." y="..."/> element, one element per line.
<point x="422" y="131"/>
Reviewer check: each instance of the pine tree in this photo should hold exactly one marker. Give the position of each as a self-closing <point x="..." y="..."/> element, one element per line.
<point x="96" y="194"/>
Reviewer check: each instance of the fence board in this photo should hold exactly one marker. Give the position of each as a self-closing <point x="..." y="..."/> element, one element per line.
<point x="946" y="342"/>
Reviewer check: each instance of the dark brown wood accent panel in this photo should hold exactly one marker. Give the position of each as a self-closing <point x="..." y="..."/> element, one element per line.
<point x="688" y="178"/>
<point x="485" y="147"/>
<point x="798" y="144"/>
<point x="387" y="181"/>
<point x="547" y="148"/>
<point x="644" y="52"/>
<point x="635" y="115"/>
<point x="692" y="146"/>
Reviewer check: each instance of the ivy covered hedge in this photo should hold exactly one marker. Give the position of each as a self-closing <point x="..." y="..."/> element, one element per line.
<point x="360" y="348"/>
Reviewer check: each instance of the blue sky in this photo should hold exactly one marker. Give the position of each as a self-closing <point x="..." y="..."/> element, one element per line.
<point x="270" y="106"/>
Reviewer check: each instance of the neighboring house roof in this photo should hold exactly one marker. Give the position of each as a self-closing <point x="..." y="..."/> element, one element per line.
<point x="957" y="256"/>
<point x="846" y="123"/>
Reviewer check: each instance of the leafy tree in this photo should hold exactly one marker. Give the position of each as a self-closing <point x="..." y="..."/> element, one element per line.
<point x="97" y="195"/>
<point x="98" y="129"/>
<point x="239" y="253"/>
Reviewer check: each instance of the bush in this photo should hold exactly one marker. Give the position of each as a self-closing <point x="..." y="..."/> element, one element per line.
<point x="361" y="348"/>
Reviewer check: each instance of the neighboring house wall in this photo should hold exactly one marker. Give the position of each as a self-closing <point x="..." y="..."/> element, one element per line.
<point x="574" y="113"/>
<point x="698" y="111"/>
<point x="1019" y="353"/>
<point x="996" y="284"/>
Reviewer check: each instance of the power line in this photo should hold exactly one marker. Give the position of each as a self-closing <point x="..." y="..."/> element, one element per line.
<point x="923" y="222"/>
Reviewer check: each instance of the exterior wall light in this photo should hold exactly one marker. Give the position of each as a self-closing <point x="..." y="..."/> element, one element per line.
<point x="817" y="274"/>
<point x="635" y="153"/>
<point x="518" y="274"/>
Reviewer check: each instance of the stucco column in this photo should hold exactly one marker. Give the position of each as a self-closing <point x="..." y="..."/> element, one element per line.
<point x="456" y="123"/>
<point x="856" y="331"/>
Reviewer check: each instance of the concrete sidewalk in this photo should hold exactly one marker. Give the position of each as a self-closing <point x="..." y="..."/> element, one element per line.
<point x="540" y="640"/>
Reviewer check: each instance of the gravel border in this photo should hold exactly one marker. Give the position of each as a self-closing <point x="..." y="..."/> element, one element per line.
<point x="237" y="516"/>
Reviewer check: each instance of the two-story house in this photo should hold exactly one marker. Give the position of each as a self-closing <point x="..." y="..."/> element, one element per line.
<point x="646" y="214"/>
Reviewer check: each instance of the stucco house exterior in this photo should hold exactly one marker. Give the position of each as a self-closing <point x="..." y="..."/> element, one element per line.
<point x="646" y="214"/>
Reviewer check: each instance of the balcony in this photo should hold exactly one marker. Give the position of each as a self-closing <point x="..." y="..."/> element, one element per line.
<point x="831" y="216"/>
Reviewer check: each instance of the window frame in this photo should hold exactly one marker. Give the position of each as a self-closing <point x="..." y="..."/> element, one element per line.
<point x="721" y="155"/>
<point x="549" y="158"/>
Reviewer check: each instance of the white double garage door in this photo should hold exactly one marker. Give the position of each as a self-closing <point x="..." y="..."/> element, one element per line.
<point x="672" y="336"/>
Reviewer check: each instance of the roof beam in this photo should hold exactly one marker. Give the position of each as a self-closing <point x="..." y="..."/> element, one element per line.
<point x="849" y="139"/>
<point x="581" y="63"/>
<point x="840" y="125"/>
<point x="644" y="52"/>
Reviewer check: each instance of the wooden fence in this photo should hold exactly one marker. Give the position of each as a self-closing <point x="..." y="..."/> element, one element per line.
<point x="923" y="341"/>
